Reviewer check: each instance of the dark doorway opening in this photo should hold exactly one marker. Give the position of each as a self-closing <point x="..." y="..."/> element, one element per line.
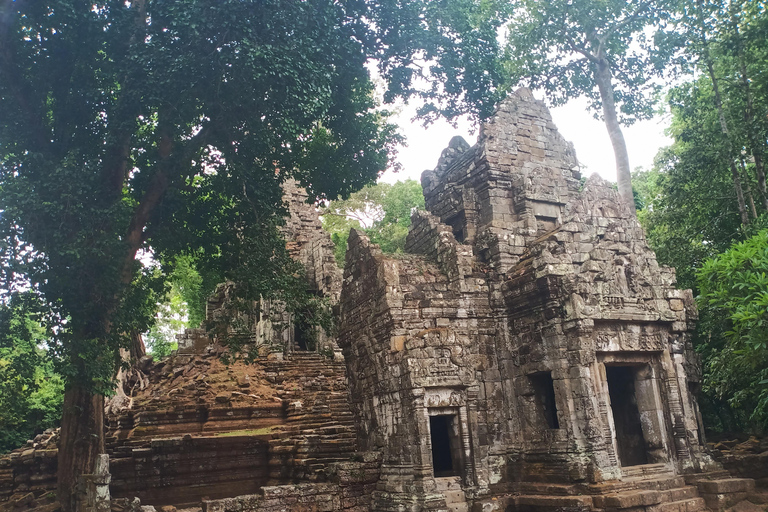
<point x="300" y="337"/>
<point x="458" y="225"/>
<point x="544" y="390"/>
<point x="626" y="416"/>
<point x="304" y="334"/>
<point x="444" y="445"/>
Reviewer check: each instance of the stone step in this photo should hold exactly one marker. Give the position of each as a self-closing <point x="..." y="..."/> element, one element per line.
<point x="454" y="497"/>
<point x="542" y="502"/>
<point x="628" y="499"/>
<point x="644" y="498"/>
<point x="644" y="470"/>
<point x="304" y="427"/>
<point x="658" y="483"/>
<point x="679" y="494"/>
<point x="548" y="489"/>
<point x="689" y="505"/>
<point x="316" y="425"/>
<point x="694" y="478"/>
<point x="725" y="492"/>
<point x="726" y="485"/>
<point x="758" y="497"/>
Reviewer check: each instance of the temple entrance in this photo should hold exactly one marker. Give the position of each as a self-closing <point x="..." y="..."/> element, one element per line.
<point x="304" y="332"/>
<point x="446" y="454"/>
<point x="301" y="337"/>
<point x="630" y="442"/>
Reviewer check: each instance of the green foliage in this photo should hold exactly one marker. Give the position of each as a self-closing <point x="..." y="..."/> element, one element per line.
<point x="734" y="289"/>
<point x="556" y="46"/>
<point x="689" y="213"/>
<point x="30" y="392"/>
<point x="168" y="127"/>
<point x="603" y="51"/>
<point x="692" y="213"/>
<point x="187" y="290"/>
<point x="383" y="211"/>
<point x="183" y="305"/>
<point x="160" y="343"/>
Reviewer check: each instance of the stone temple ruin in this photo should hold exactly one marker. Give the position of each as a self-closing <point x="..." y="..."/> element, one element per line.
<point x="529" y="343"/>
<point x="527" y="354"/>
<point x="309" y="244"/>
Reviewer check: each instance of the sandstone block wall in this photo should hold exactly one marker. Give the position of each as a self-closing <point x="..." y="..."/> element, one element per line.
<point x="530" y="332"/>
<point x="349" y="489"/>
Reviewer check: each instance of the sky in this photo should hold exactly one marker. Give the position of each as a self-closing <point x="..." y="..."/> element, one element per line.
<point x="575" y="123"/>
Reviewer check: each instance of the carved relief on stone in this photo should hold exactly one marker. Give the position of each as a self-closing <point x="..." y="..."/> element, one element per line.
<point x="628" y="337"/>
<point x="441" y="365"/>
<point x="443" y="397"/>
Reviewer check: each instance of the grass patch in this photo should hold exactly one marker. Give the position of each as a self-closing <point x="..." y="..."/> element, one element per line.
<point x="251" y="432"/>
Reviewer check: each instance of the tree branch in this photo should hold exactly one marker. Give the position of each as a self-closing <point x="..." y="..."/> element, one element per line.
<point x="115" y="169"/>
<point x="618" y="26"/>
<point x="171" y="158"/>
<point x="577" y="48"/>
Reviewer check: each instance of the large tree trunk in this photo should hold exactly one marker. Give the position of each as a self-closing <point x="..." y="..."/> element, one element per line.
<point x="602" y="73"/>
<point x="81" y="441"/>
<point x="138" y="348"/>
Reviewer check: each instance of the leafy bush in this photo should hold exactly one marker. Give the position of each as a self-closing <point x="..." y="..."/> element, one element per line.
<point x="31" y="394"/>
<point x="734" y="302"/>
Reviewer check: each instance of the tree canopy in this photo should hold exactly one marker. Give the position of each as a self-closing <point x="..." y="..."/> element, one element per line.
<point x="706" y="196"/>
<point x="734" y="289"/>
<point x="30" y="392"/>
<point x="169" y="127"/>
<point x="601" y="50"/>
<point x="383" y="211"/>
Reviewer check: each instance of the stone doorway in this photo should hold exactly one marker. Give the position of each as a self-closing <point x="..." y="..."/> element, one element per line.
<point x="304" y="333"/>
<point x="446" y="445"/>
<point x="630" y="441"/>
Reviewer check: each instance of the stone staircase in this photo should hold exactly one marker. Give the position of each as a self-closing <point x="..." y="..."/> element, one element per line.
<point x="648" y="488"/>
<point x="721" y="491"/>
<point x="319" y="427"/>
<point x="455" y="499"/>
<point x="657" y="493"/>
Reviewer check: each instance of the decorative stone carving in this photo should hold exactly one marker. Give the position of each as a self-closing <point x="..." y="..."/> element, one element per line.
<point x="544" y="298"/>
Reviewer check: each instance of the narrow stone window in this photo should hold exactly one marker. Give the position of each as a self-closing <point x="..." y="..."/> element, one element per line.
<point x="445" y="445"/>
<point x="458" y="225"/>
<point x="544" y="391"/>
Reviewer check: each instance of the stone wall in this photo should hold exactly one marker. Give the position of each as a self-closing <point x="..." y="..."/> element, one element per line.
<point x="27" y="475"/>
<point x="203" y="429"/>
<point x="349" y="489"/>
<point x="529" y="332"/>
<point x="184" y="470"/>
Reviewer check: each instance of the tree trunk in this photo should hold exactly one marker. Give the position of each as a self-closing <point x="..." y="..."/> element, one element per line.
<point x="760" y="171"/>
<point x="724" y="128"/>
<point x="756" y="143"/>
<point x="749" y="189"/>
<point x="81" y="441"/>
<point x="138" y="349"/>
<point x="739" y="194"/>
<point x="602" y="74"/>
